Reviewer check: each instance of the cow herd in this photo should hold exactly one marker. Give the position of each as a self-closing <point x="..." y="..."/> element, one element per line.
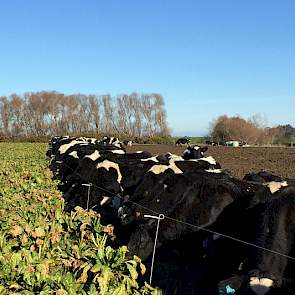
<point x="219" y="234"/>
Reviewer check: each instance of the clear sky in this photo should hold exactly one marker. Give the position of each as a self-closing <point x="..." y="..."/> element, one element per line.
<point x="206" y="58"/>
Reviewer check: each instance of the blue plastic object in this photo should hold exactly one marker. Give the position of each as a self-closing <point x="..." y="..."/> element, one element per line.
<point x="229" y="290"/>
<point x="206" y="243"/>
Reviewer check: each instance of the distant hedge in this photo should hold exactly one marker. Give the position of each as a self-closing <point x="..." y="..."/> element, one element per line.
<point x="139" y="140"/>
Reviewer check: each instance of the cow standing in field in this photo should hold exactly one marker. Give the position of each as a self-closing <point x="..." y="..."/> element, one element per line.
<point x="182" y="141"/>
<point x="127" y="142"/>
<point x="212" y="143"/>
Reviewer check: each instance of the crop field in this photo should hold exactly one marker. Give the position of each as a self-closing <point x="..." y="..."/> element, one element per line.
<point x="239" y="161"/>
<point x="45" y="250"/>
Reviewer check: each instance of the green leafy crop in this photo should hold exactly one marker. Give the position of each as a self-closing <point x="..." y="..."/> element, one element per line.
<point x="45" y="250"/>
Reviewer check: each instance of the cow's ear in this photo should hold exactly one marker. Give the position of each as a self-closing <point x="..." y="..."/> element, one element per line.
<point x="204" y="149"/>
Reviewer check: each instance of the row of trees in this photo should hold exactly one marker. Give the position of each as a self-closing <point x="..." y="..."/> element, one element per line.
<point x="252" y="131"/>
<point x="53" y="113"/>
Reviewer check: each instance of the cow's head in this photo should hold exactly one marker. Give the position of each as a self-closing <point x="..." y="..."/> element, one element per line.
<point x="140" y="243"/>
<point x="194" y="152"/>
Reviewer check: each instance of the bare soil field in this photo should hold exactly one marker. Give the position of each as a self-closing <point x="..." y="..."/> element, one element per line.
<point x="239" y="161"/>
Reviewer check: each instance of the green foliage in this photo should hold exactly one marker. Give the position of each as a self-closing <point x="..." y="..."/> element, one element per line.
<point x="45" y="250"/>
<point x="25" y="139"/>
<point x="141" y="140"/>
<point x="198" y="140"/>
<point x="156" y="140"/>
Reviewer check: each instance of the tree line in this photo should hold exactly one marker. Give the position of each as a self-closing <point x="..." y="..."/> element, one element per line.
<point x="49" y="113"/>
<point x="252" y="130"/>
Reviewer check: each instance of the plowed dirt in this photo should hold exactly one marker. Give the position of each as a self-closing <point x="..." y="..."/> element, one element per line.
<point x="241" y="160"/>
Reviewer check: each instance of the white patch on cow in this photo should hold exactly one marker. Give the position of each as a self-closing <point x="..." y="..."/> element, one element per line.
<point x="174" y="158"/>
<point x="74" y="154"/>
<point x="151" y="159"/>
<point x="65" y="147"/>
<point x="260" y="286"/>
<point x="186" y="152"/>
<point x="104" y="200"/>
<point x="165" y="186"/>
<point x="214" y="170"/>
<point x="196" y="147"/>
<point x="107" y="165"/>
<point x="139" y="152"/>
<point x="274" y="186"/>
<point x="92" y="140"/>
<point x="209" y="159"/>
<point x="94" y="156"/>
<point x="157" y="169"/>
<point x="119" y="152"/>
<point x="115" y="141"/>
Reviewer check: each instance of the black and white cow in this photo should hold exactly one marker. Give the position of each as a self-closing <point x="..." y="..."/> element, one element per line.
<point x="128" y="142"/>
<point x="111" y="173"/>
<point x="264" y="220"/>
<point x="69" y="155"/>
<point x="277" y="234"/>
<point x="55" y="143"/>
<point x="197" y="198"/>
<point x="193" y="159"/>
<point x="182" y="141"/>
<point x="111" y="141"/>
<point x="262" y="177"/>
<point x="194" y="152"/>
<point x="103" y="170"/>
<point x="211" y="142"/>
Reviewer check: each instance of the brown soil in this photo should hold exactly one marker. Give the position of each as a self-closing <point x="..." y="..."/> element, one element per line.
<point x="239" y="161"/>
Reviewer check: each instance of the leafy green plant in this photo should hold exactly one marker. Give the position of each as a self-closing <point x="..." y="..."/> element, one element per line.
<point x="45" y="250"/>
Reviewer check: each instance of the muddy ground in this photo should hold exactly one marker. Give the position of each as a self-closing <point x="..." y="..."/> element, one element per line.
<point x="239" y="161"/>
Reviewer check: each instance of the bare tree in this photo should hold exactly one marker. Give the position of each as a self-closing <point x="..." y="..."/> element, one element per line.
<point x="53" y="113"/>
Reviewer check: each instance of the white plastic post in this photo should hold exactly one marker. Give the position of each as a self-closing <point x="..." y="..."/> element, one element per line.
<point x="160" y="217"/>
<point x="88" y="194"/>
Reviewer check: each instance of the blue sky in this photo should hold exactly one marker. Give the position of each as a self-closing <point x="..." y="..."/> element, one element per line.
<point x="206" y="58"/>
